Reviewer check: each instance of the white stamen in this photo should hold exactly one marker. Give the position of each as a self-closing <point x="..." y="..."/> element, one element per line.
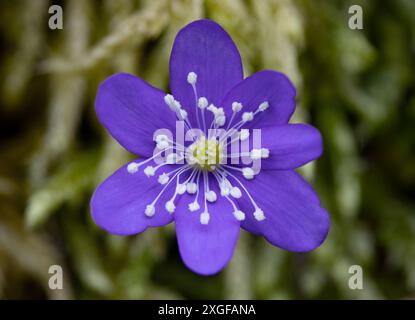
<point x="177" y="174"/>
<point x="220" y="112"/>
<point x="204" y="218"/>
<point x="169" y="100"/>
<point x="163" y="178"/>
<point x="183" y="113"/>
<point x="191" y="188"/>
<point x="150" y="210"/>
<point x="236" y="106"/>
<point x="220" y="120"/>
<point x="216" y="111"/>
<point x="191" y="78"/>
<point x="149" y="171"/>
<point x="211" y="196"/>
<point x="173" y="104"/>
<point x="255" y="154"/>
<point x="224" y="191"/>
<point x="212" y="108"/>
<point x="171" y="158"/>
<point x="247" y="116"/>
<point x="162" y="141"/>
<point x="244" y="134"/>
<point x="248" y="173"/>
<point x="264" y="153"/>
<point x="161" y="137"/>
<point x="259" y="214"/>
<point x="236" y="192"/>
<point x="239" y="215"/>
<point x="194" y="206"/>
<point x="162" y="144"/>
<point x="263" y="106"/>
<point x="219" y="115"/>
<point x="202" y="103"/>
<point x="176" y="106"/>
<point x="170" y="207"/>
<point x="181" y="188"/>
<point x="132" y="167"/>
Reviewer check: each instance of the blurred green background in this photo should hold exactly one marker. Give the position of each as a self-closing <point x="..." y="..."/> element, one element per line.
<point x="356" y="86"/>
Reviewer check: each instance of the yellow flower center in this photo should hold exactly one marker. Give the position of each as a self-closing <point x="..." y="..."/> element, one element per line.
<point x="206" y="154"/>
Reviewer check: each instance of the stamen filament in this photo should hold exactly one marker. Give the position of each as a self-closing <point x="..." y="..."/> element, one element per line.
<point x="259" y="214"/>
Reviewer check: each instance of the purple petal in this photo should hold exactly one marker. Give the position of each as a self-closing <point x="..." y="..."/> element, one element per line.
<point x="206" y="249"/>
<point x="205" y="48"/>
<point x="271" y="86"/>
<point x="132" y="110"/>
<point x="294" y="221"/>
<point x="290" y="146"/>
<point x="119" y="203"/>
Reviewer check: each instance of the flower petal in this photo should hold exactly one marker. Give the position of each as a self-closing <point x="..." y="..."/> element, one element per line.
<point x="271" y="86"/>
<point x="206" y="249"/>
<point x="290" y="146"/>
<point x="294" y="221"/>
<point x="119" y="203"/>
<point x="132" y="110"/>
<point x="205" y="48"/>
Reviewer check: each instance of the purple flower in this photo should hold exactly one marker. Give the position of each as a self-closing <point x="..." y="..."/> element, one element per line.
<point x="196" y="184"/>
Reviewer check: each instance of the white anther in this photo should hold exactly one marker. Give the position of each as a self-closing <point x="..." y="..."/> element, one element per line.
<point x="236" y="192"/>
<point x="176" y="106"/>
<point x="247" y="116"/>
<point x="181" y="188"/>
<point x="264" y="153"/>
<point x="171" y="158"/>
<point x="211" y="196"/>
<point x="236" y="106"/>
<point x="248" y="173"/>
<point x="150" y="210"/>
<point x="204" y="218"/>
<point x="191" y="78"/>
<point x="191" y="188"/>
<point x="161" y="137"/>
<point x="202" y="103"/>
<point x="183" y="113"/>
<point x="163" y="178"/>
<point x="149" y="171"/>
<point x="194" y="206"/>
<point x="212" y="108"/>
<point x="132" y="167"/>
<point x="162" y="141"/>
<point x="170" y="207"/>
<point x="219" y="112"/>
<point x="259" y="153"/>
<point x="256" y="154"/>
<point x="169" y="100"/>
<point x="220" y="120"/>
<point x="244" y="134"/>
<point x="239" y="215"/>
<point x="162" y="144"/>
<point x="224" y="191"/>
<point x="259" y="214"/>
<point x="263" y="106"/>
